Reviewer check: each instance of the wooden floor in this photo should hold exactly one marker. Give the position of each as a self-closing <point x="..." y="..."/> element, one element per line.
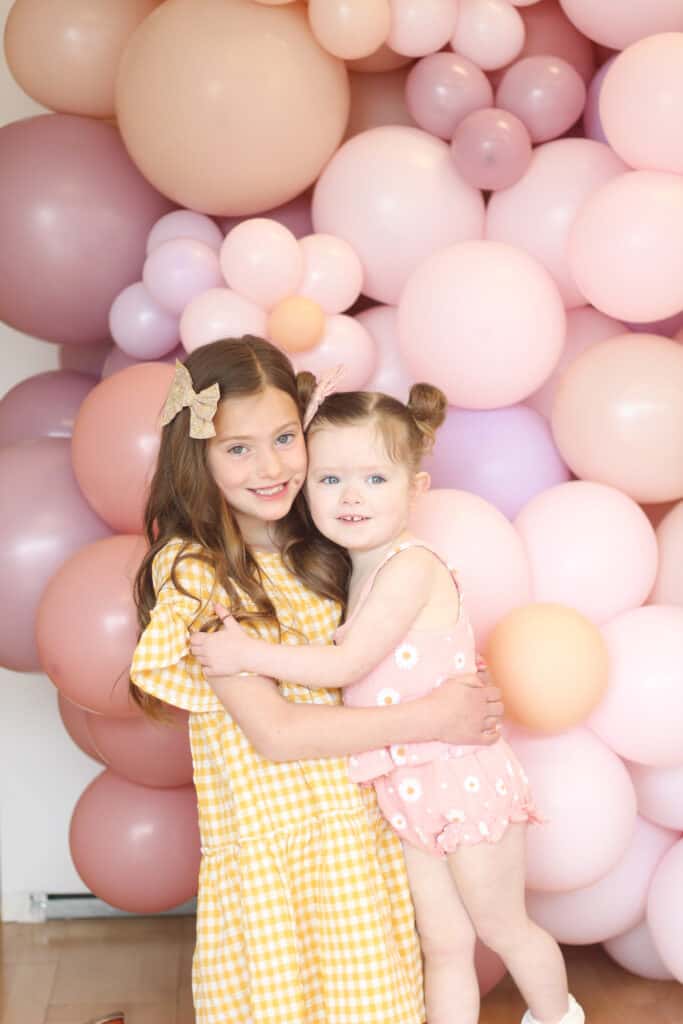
<point x="66" y="972"/>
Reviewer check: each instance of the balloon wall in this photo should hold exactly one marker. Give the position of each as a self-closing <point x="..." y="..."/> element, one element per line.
<point x="485" y="194"/>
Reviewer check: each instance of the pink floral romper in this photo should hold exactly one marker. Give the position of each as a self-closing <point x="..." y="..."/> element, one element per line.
<point x="435" y="795"/>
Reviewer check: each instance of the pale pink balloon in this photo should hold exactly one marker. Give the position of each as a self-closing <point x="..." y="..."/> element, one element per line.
<point x="616" y="24"/>
<point x="668" y="588"/>
<point x="175" y="272"/>
<point x="537" y="213"/>
<point x="491" y="149"/>
<point x="143" y="750"/>
<point x="626" y="246"/>
<point x="549" y="32"/>
<point x="613" y="904"/>
<point x="345" y="342"/>
<point x="489" y="32"/>
<point x="585" y="327"/>
<point x="641" y="714"/>
<point x="135" y="847"/>
<point x="584" y="791"/>
<point x="641" y="92"/>
<point x="261" y="261"/>
<point x="419" y="27"/>
<point x="220" y="313"/>
<point x="576" y="536"/>
<point x="618" y="416"/>
<point x="659" y="792"/>
<point x="546" y="93"/>
<point x="635" y="952"/>
<point x="442" y="89"/>
<point x="482" y="320"/>
<point x="352" y="28"/>
<point x="185" y="224"/>
<point x="394" y="195"/>
<point x="592" y="123"/>
<point x="140" y="326"/>
<point x="484" y="548"/>
<point x="44" y="405"/>
<point x="665" y="910"/>
<point x="75" y="720"/>
<point x="332" y="273"/>
<point x="390" y="376"/>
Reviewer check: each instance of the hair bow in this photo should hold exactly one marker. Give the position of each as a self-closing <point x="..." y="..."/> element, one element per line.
<point x="202" y="404"/>
<point x="326" y="386"/>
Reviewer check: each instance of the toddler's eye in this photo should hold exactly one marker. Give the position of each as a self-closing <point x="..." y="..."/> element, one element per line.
<point x="330" y="479"/>
<point x="377" y="478"/>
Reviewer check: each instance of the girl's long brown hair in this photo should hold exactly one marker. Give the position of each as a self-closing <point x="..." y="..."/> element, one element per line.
<point x="184" y="501"/>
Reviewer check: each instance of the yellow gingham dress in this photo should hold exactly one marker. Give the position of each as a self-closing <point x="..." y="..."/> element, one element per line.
<point x="304" y="914"/>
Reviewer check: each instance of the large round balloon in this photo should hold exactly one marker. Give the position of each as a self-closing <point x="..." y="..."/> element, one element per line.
<point x="87" y="628"/>
<point x="618" y="416"/>
<point x="390" y="376"/>
<point x="230" y="108"/>
<point x="668" y="588"/>
<point x="116" y="440"/>
<point x="665" y="910"/>
<point x="74" y="217"/>
<point x="135" y="847"/>
<point x="660" y="794"/>
<point x="635" y="952"/>
<point x="75" y="721"/>
<point x="484" y="321"/>
<point x="143" y="750"/>
<point x="65" y="55"/>
<point x="616" y="24"/>
<point x="44" y="519"/>
<point x="43" y="406"/>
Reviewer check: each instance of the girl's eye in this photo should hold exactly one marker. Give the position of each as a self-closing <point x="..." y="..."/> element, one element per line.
<point x="237" y="449"/>
<point x="330" y="479"/>
<point x="377" y="478"/>
<point x="285" y="439"/>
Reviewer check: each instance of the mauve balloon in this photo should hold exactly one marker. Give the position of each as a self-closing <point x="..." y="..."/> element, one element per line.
<point x="43" y="406"/>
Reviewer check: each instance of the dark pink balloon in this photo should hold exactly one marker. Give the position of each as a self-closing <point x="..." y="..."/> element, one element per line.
<point x="75" y="721"/>
<point x="135" y="847"/>
<point x="546" y="93"/>
<point x="442" y="89"/>
<point x="43" y="406"/>
<point x="75" y="213"/>
<point x="44" y="519"/>
<point x="143" y="750"/>
<point x="549" y="31"/>
<point x="85" y="358"/>
<point x="491" y="149"/>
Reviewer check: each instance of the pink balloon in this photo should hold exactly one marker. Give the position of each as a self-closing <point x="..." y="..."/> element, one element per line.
<point x="585" y="793"/>
<point x="419" y="27"/>
<point x="345" y="342"/>
<point x="91" y="596"/>
<point x="491" y="148"/>
<point x="489" y="32"/>
<point x="612" y="905"/>
<point x="546" y="93"/>
<point x="665" y="910"/>
<point x="635" y="952"/>
<point x="626" y="246"/>
<point x="592" y="122"/>
<point x="442" y="89"/>
<point x="585" y="327"/>
<point x="537" y="213"/>
<point x="119" y="360"/>
<point x="116" y="440"/>
<point x="145" y="751"/>
<point x="42" y="406"/>
<point x="178" y="270"/>
<point x="482" y="320"/>
<point x="549" y="32"/>
<point x="75" y="720"/>
<point x="74" y="217"/>
<point x="659" y="792"/>
<point x="332" y="273"/>
<point x="44" y="519"/>
<point x="390" y="376"/>
<point x="185" y="224"/>
<point x="87" y="359"/>
<point x="668" y="588"/>
<point x="484" y="548"/>
<point x="615" y="24"/>
<point x="135" y="847"/>
<point x="220" y="313"/>
<point x="669" y="327"/>
<point x="575" y="536"/>
<point x="641" y="714"/>
<point x="294" y="215"/>
<point x="393" y="194"/>
<point x="140" y="326"/>
<point x="261" y="260"/>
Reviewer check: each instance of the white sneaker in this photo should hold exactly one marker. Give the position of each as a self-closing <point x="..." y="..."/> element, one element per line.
<point x="574" y="1014"/>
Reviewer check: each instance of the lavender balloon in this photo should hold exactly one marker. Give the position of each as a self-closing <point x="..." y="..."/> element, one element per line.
<point x="504" y="455"/>
<point x="592" y="124"/>
<point x="43" y="406"/>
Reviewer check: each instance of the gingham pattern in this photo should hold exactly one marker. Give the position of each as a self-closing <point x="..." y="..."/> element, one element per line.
<point x="304" y="914"/>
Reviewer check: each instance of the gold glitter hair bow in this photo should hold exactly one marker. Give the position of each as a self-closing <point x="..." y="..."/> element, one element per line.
<point x="202" y="404"/>
<point x="326" y="386"/>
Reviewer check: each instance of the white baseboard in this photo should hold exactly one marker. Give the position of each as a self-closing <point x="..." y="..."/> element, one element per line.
<point x="36" y="907"/>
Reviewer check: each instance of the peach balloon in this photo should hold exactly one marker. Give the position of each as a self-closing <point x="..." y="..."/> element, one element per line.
<point x="378" y="100"/>
<point x="626" y="246"/>
<point x="296" y="324"/>
<point x="635" y="952"/>
<point x="145" y="751"/>
<point x="350" y="28"/>
<point x="641" y="91"/>
<point x="65" y="54"/>
<point x="576" y="536"/>
<point x="488" y="32"/>
<point x="216" y="103"/>
<point x="616" y="24"/>
<point x="219" y="313"/>
<point x="668" y="588"/>
<point x="546" y="93"/>
<point x="544" y="687"/>
<point x="537" y="213"/>
<point x="659" y="791"/>
<point x="344" y="342"/>
<point x="419" y="27"/>
<point x="618" y="416"/>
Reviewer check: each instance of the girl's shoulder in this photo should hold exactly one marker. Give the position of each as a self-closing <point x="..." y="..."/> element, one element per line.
<point x="183" y="560"/>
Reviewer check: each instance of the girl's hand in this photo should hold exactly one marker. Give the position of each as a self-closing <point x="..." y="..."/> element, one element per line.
<point x="222" y="653"/>
<point x="467" y="710"/>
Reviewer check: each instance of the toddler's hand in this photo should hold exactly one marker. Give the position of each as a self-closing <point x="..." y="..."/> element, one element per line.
<point x="221" y="653"/>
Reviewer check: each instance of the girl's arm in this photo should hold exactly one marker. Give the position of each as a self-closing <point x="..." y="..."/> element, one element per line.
<point x="399" y="593"/>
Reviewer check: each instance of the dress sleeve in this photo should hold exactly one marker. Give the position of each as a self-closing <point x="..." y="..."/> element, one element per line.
<point x="162" y="664"/>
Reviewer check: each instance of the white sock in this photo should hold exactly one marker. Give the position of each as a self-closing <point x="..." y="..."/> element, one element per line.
<point x="574" y="1014"/>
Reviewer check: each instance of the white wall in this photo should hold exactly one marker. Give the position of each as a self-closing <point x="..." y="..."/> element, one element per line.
<point x="42" y="773"/>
